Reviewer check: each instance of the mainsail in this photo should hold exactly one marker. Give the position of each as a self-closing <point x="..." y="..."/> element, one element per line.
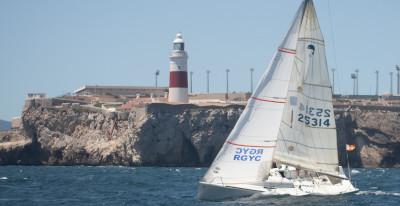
<point x="246" y="156"/>
<point x="289" y="119"/>
<point x="307" y="134"/>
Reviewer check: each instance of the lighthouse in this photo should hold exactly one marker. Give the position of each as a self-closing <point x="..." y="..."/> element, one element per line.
<point x="178" y="80"/>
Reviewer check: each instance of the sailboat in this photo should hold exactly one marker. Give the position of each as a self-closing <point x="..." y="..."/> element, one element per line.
<point x="285" y="140"/>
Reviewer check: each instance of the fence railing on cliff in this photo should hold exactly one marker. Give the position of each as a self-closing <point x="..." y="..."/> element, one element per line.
<point x="367" y="107"/>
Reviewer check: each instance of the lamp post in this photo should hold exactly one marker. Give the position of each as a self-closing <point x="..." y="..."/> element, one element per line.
<point x="191" y="82"/>
<point x="377" y="83"/>
<point x="251" y="79"/>
<point x="357" y="90"/>
<point x="391" y="83"/>
<point x="398" y="79"/>
<point x="208" y="81"/>
<point x="227" y="84"/>
<point x="156" y="76"/>
<point x="354" y="77"/>
<point x="333" y="80"/>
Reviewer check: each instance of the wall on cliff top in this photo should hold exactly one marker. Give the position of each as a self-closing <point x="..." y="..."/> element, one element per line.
<point x="171" y="135"/>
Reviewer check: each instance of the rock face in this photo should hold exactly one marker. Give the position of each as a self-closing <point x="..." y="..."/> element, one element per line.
<point x="376" y="133"/>
<point x="170" y="135"/>
<point x="158" y="134"/>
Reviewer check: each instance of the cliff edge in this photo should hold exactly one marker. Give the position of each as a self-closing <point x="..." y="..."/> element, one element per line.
<point x="171" y="135"/>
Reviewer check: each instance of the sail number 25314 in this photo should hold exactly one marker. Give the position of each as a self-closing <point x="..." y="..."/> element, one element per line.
<point x="316" y="117"/>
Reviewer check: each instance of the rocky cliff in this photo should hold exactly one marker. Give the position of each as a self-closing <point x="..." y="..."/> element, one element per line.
<point x="375" y="132"/>
<point x="157" y="134"/>
<point x="170" y="135"/>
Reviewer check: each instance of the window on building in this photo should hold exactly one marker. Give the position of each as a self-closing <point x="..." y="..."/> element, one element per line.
<point x="179" y="46"/>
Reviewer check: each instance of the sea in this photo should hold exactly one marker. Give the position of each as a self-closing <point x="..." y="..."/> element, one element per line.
<point x="169" y="186"/>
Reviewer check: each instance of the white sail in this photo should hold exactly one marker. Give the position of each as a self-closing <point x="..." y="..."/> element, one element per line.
<point x="307" y="134"/>
<point x="289" y="120"/>
<point x="246" y="156"/>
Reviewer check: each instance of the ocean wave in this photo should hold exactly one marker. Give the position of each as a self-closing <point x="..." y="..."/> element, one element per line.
<point x="354" y="171"/>
<point x="378" y="192"/>
<point x="3" y="178"/>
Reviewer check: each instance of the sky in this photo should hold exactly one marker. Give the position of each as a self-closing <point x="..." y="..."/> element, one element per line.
<point x="57" y="46"/>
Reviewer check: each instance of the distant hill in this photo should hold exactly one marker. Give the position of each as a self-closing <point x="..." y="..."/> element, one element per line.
<point x="4" y="125"/>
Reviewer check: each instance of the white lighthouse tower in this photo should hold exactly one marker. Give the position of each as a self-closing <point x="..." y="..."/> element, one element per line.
<point x="178" y="80"/>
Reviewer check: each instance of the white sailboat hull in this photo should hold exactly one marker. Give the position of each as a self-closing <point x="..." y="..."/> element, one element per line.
<point x="217" y="192"/>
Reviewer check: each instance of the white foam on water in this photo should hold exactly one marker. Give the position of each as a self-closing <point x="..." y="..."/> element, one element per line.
<point x="354" y="171"/>
<point x="382" y="170"/>
<point x="177" y="170"/>
<point x="378" y="192"/>
<point x="282" y="193"/>
<point x="3" y="178"/>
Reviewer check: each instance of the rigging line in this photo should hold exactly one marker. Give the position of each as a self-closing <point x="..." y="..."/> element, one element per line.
<point x="296" y="67"/>
<point x="286" y="146"/>
<point x="333" y="43"/>
<point x="307" y="23"/>
<point x="298" y="59"/>
<point x="320" y="49"/>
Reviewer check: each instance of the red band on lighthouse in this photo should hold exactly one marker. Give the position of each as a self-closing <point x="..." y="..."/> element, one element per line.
<point x="178" y="79"/>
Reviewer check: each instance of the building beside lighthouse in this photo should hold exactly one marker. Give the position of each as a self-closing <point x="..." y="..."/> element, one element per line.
<point x="178" y="78"/>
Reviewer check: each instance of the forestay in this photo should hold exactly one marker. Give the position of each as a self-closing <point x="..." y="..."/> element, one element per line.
<point x="307" y="134"/>
<point x="246" y="156"/>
